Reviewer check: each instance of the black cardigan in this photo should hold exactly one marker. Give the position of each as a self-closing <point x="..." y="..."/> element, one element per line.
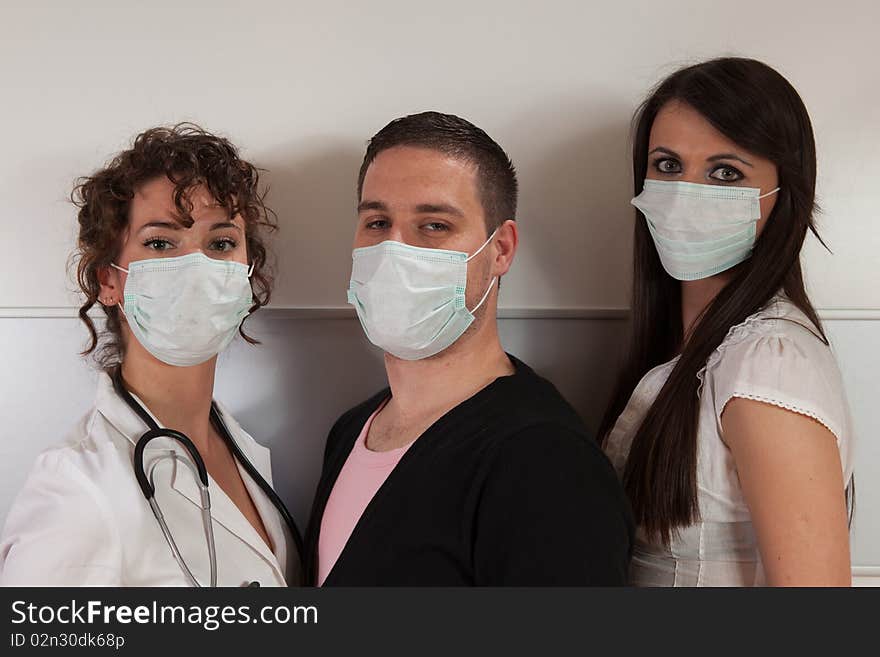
<point x="505" y="489"/>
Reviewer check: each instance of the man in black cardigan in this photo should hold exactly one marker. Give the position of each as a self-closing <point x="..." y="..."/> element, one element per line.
<point x="470" y="469"/>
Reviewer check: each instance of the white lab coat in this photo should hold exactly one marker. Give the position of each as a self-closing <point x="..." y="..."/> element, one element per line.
<point x="81" y="518"/>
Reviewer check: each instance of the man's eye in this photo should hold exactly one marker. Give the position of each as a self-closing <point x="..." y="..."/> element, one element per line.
<point x="436" y="226"/>
<point x="223" y="244"/>
<point x="726" y="174"/>
<point x="377" y="224"/>
<point x="158" y="244"/>
<point x="667" y="165"/>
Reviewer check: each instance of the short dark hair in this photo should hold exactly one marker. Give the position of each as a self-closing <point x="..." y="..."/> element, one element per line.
<point x="457" y="137"/>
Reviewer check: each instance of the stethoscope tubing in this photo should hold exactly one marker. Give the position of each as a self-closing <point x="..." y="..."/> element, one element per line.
<point x="145" y="482"/>
<point x="207" y="523"/>
<point x="200" y="472"/>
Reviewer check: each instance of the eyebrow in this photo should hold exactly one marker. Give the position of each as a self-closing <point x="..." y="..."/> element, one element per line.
<point x="714" y="158"/>
<point x="728" y="156"/>
<point x="225" y="224"/>
<point x="363" y="206"/>
<point x="171" y="225"/>
<point x="439" y="208"/>
<point x="663" y="149"/>
<point x="421" y="208"/>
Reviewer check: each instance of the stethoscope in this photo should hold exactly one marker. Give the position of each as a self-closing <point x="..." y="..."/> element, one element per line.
<point x="196" y="465"/>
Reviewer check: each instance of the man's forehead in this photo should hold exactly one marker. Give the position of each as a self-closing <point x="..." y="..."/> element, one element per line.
<point x="413" y="162"/>
<point x="419" y="173"/>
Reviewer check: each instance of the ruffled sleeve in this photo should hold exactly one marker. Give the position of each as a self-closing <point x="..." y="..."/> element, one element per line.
<point x="781" y="363"/>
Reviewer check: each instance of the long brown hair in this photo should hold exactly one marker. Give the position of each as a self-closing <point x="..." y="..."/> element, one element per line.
<point x="757" y="108"/>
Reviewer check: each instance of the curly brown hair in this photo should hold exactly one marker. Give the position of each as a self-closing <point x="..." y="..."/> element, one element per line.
<point x="189" y="157"/>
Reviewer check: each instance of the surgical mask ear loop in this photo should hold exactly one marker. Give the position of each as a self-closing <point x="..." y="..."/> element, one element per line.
<point x="119" y="303"/>
<point x="772" y="191"/>
<point x="494" y="278"/>
<point x="477" y="252"/>
<point x="485" y="296"/>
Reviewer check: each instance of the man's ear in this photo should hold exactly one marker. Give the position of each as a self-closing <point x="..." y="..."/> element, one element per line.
<point x="506" y="241"/>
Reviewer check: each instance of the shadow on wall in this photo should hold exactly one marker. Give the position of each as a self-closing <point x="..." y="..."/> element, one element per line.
<point x="581" y="357"/>
<point x="575" y="218"/>
<point x="313" y="191"/>
<point x="291" y="389"/>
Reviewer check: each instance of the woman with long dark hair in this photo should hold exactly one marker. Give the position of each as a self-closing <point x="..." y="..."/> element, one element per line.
<point x="729" y="426"/>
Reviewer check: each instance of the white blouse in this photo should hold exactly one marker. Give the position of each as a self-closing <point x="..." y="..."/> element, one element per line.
<point x="774" y="357"/>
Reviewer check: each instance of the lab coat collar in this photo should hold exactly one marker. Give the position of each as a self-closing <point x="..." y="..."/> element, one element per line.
<point x="124" y="420"/>
<point x="223" y="509"/>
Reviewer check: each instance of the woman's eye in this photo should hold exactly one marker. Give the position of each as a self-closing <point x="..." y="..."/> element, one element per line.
<point x="223" y="244"/>
<point x="158" y="244"/>
<point x="667" y="165"/>
<point x="436" y="226"/>
<point x="726" y="174"/>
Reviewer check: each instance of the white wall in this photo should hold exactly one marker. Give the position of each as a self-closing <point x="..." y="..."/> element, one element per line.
<point x="301" y="86"/>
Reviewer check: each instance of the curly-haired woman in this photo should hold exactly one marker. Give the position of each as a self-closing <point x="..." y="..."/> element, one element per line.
<point x="170" y="246"/>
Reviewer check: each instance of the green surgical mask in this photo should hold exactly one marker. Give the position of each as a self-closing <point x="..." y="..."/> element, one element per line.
<point x="700" y="230"/>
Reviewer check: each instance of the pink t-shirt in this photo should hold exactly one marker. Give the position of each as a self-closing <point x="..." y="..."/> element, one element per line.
<point x="361" y="476"/>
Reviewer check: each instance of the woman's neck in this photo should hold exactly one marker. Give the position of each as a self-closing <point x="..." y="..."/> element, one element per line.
<point x="179" y="397"/>
<point x="696" y="297"/>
